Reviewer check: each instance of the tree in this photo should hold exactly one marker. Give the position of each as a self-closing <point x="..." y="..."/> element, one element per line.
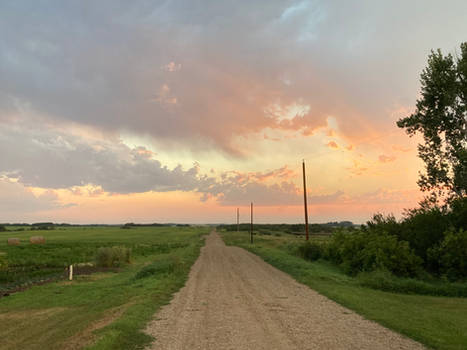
<point x="441" y="117"/>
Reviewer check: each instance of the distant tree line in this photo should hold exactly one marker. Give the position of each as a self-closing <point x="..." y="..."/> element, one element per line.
<point x="295" y="229"/>
<point x="129" y="225"/>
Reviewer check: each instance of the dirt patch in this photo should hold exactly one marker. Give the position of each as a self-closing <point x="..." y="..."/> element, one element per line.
<point x="37" y="314"/>
<point x="87" y="336"/>
<point x="234" y="300"/>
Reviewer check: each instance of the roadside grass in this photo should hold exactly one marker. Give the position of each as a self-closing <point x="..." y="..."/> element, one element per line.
<point x="106" y="310"/>
<point x="437" y="322"/>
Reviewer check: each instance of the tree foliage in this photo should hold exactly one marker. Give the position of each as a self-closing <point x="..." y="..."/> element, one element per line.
<point x="441" y="118"/>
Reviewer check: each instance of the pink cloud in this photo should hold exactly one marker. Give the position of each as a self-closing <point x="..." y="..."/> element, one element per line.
<point x="172" y="67"/>
<point x="401" y="149"/>
<point x="386" y="159"/>
<point x="357" y="168"/>
<point x="332" y="144"/>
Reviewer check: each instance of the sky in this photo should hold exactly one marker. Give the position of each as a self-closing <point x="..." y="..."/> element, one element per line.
<point x="181" y="111"/>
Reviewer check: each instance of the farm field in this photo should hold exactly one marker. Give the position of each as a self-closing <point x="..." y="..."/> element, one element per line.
<point x="437" y="322"/>
<point x="102" y="310"/>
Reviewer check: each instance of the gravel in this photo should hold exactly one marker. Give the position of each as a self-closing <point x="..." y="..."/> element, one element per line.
<point x="234" y="300"/>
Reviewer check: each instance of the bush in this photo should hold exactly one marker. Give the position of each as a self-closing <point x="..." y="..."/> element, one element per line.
<point x="162" y="267"/>
<point x="423" y="228"/>
<point x="384" y="225"/>
<point x="458" y="213"/>
<point x="310" y="251"/>
<point x="3" y="228"/>
<point x="450" y="255"/>
<point x="113" y="256"/>
<point x="365" y="251"/>
<point x="384" y="280"/>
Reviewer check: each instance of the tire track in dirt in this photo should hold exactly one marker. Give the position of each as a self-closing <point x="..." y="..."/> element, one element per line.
<point x="234" y="300"/>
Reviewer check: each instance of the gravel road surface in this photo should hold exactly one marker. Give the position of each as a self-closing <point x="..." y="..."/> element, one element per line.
<point x="234" y="300"/>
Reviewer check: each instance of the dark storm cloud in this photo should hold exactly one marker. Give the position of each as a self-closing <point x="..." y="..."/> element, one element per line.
<point x="104" y="63"/>
<point x="51" y="159"/>
<point x="54" y="159"/>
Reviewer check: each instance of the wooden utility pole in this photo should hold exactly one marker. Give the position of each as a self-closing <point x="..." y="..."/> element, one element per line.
<point x="238" y="222"/>
<point x="304" y="199"/>
<point x="251" y="223"/>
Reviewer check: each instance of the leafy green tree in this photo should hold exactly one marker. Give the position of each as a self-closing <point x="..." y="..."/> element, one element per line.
<point x="441" y="117"/>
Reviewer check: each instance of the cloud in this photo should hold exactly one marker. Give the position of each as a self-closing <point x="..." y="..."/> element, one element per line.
<point x="53" y="159"/>
<point x="332" y="144"/>
<point x="16" y="199"/>
<point x="238" y="189"/>
<point x="283" y="173"/>
<point x="99" y="64"/>
<point x="172" y="67"/>
<point x="357" y="168"/>
<point x="164" y="96"/>
<point x="401" y="148"/>
<point x="386" y="159"/>
<point x="49" y="158"/>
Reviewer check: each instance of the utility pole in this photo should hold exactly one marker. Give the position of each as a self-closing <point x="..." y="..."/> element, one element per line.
<point x="251" y="224"/>
<point x="304" y="199"/>
<point x="238" y="222"/>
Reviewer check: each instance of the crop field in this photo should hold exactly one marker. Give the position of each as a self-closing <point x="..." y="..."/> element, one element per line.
<point x="103" y="307"/>
<point x="438" y="322"/>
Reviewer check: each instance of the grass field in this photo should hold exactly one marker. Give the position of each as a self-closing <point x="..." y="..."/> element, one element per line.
<point x="104" y="310"/>
<point x="437" y="322"/>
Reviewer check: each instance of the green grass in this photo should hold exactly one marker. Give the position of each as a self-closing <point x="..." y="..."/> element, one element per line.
<point x="437" y="322"/>
<point x="103" y="310"/>
<point x="72" y="245"/>
<point x="386" y="281"/>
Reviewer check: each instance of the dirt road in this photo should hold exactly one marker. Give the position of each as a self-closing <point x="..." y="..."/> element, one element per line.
<point x="234" y="300"/>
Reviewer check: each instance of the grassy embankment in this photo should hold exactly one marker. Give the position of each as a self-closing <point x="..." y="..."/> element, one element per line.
<point x="104" y="310"/>
<point x="438" y="322"/>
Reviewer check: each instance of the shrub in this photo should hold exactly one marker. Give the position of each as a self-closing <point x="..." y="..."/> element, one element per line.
<point x="384" y="280"/>
<point x="310" y="251"/>
<point x="365" y="251"/>
<point x="384" y="225"/>
<point x="458" y="213"/>
<point x="423" y="228"/>
<point x="450" y="255"/>
<point x="2" y="228"/>
<point x="112" y="256"/>
<point x="162" y="267"/>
